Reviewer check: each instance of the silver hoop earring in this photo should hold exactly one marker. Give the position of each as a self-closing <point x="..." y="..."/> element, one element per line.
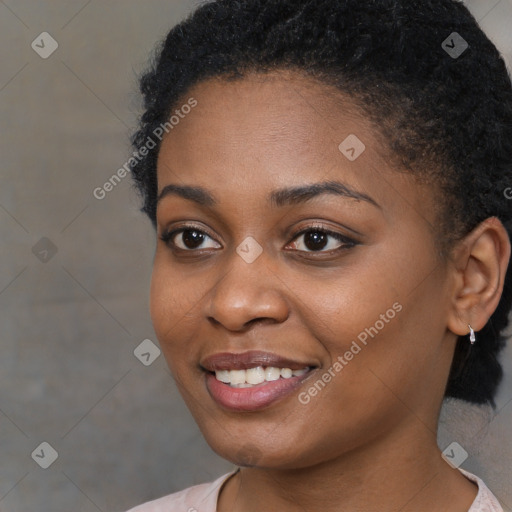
<point x="472" y="337"/>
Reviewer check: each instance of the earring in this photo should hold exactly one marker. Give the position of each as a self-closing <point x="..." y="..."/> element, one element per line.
<point x="472" y="337"/>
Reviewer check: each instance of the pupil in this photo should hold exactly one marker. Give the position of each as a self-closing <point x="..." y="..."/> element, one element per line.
<point x="192" y="238"/>
<point x="315" y="240"/>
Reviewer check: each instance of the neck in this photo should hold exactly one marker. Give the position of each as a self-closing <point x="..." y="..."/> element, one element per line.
<point x="403" y="472"/>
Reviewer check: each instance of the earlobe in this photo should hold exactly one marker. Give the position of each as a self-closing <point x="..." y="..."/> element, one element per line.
<point x="480" y="265"/>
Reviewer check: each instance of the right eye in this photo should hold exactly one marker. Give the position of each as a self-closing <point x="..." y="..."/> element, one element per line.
<point x="189" y="240"/>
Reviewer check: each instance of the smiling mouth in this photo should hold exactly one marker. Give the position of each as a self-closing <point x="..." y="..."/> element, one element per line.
<point x="253" y="380"/>
<point x="253" y="368"/>
<point x="252" y="377"/>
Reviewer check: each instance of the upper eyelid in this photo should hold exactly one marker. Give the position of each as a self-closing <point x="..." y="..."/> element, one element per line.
<point x="324" y="229"/>
<point x="184" y="227"/>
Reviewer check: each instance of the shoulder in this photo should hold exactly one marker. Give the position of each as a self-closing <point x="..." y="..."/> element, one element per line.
<point x="203" y="498"/>
<point x="199" y="498"/>
<point x="485" y="500"/>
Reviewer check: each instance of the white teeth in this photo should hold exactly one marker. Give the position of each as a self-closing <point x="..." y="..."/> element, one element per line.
<point x="254" y="376"/>
<point x="237" y="376"/>
<point x="272" y="373"/>
<point x="223" y="376"/>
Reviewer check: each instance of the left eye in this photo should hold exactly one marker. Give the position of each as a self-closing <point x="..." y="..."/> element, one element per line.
<point x="317" y="240"/>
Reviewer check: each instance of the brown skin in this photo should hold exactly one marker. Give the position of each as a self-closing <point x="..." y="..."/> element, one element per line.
<point x="367" y="442"/>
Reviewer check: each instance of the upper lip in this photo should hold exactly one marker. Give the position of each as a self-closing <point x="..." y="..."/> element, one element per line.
<point x="250" y="359"/>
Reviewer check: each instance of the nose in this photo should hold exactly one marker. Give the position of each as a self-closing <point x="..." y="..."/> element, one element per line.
<point x="247" y="294"/>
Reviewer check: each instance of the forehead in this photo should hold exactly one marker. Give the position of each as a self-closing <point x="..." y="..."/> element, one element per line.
<point x="267" y="131"/>
<point x="279" y="120"/>
<point x="275" y="104"/>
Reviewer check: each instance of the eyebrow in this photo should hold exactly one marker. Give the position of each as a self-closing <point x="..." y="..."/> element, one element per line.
<point x="277" y="198"/>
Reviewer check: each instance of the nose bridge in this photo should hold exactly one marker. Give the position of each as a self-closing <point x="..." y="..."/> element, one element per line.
<point x="248" y="291"/>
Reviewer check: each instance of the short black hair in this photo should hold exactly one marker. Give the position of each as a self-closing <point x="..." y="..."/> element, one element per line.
<point x="441" y="102"/>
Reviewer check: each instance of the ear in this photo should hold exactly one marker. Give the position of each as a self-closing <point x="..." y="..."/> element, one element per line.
<point x="480" y="263"/>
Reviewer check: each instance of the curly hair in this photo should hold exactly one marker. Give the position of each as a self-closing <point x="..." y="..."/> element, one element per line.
<point x="445" y="118"/>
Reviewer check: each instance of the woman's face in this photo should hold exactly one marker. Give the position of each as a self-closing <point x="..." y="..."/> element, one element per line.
<point x="270" y="271"/>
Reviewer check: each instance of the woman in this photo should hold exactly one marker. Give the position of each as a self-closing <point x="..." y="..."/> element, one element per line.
<point x="327" y="181"/>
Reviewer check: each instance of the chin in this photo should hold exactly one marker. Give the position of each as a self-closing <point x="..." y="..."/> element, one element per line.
<point x="281" y="454"/>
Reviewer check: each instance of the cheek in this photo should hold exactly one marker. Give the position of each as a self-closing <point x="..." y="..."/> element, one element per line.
<point x="338" y="308"/>
<point x="174" y="293"/>
<point x="171" y="303"/>
<point x="162" y="303"/>
<point x="177" y="311"/>
<point x="374" y="319"/>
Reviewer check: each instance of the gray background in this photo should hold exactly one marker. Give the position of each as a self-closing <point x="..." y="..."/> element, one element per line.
<point x="69" y="325"/>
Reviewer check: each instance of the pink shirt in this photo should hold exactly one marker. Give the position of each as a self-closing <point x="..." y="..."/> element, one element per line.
<point x="203" y="498"/>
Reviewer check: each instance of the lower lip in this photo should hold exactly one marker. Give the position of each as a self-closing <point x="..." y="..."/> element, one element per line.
<point x="255" y="398"/>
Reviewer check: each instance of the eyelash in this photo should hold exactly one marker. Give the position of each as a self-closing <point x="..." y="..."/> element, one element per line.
<point x="348" y="243"/>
